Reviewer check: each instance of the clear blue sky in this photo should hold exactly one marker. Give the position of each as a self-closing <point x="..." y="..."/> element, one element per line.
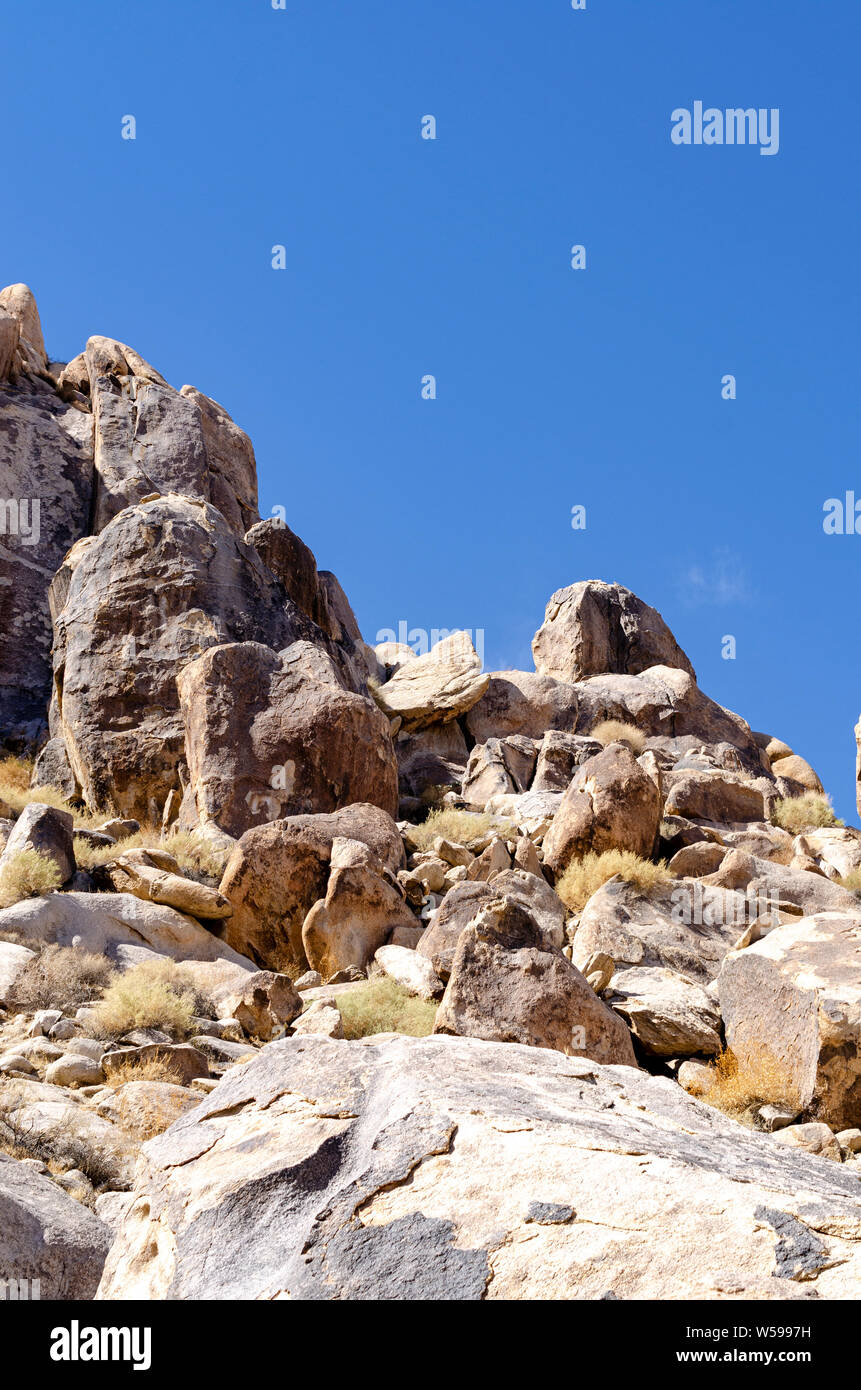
<point x="602" y="387"/>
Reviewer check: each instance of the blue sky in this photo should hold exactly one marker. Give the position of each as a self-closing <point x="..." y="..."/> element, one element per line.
<point x="556" y="387"/>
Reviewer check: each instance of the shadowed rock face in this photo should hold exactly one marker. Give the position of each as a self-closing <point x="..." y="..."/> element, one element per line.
<point x="46" y="472"/>
<point x="447" y="1168"/>
<point x="163" y="581"/>
<point x="269" y="735"/>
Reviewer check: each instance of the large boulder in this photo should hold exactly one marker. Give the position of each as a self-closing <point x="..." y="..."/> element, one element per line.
<point x="508" y="984"/>
<point x="105" y="923"/>
<point x="275" y="734"/>
<point x="432" y="757"/>
<point x="363" y="905"/>
<point x="791" y="1005"/>
<point x="669" y="1015"/>
<point x="278" y="871"/>
<point x="164" y="581"/>
<point x="436" y="687"/>
<point x="147" y="876"/>
<point x="150" y="438"/>
<point x="592" y="627"/>
<point x="462" y="904"/>
<point x="611" y="804"/>
<point x="444" y="1168"/>
<point x="47" y="831"/>
<point x="770" y="882"/>
<point x="715" y="796"/>
<point x="48" y="1237"/>
<point x="686" y="928"/>
<point x="521" y="702"/>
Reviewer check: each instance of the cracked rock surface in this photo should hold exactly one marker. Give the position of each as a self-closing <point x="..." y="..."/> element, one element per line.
<point x="449" y="1168"/>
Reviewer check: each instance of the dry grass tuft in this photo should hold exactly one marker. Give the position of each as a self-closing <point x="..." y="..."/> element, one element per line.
<point x="462" y="827"/>
<point x="141" y="1070"/>
<point x="585" y="876"/>
<point x="737" y="1087"/>
<point x="381" y="1006"/>
<point x="611" y="730"/>
<point x="196" y="856"/>
<point x="28" y="874"/>
<point x="60" y="976"/>
<point x="154" y="994"/>
<point x="809" y="811"/>
<point x="15" y="789"/>
<point x="851" y="881"/>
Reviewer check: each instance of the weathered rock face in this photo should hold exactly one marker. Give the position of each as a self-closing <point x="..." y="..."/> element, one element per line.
<point x="498" y="767"/>
<point x="151" y="438"/>
<point x="270" y="735"/>
<point x="293" y="562"/>
<point x="670" y="1016"/>
<point x="591" y="628"/>
<point x="567" y="1180"/>
<point x="362" y="907"/>
<point x="508" y="984"/>
<point x="437" y="687"/>
<point x="141" y="873"/>
<point x="686" y="928"/>
<point x="793" y="1001"/>
<point x="433" y="757"/>
<point x="715" y="796"/>
<point x="46" y="1235"/>
<point x="462" y="904"/>
<point x="278" y="871"/>
<point x="521" y="702"/>
<point x="610" y="804"/>
<point x="163" y="582"/>
<point x="46" y="475"/>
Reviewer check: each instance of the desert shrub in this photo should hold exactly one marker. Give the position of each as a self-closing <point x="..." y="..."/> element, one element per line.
<point x="61" y="975"/>
<point x="610" y="730"/>
<point x="462" y="827"/>
<point x="585" y="876"/>
<point x="809" y="811"/>
<point x="28" y="874"/>
<point x="851" y="881"/>
<point x="154" y="994"/>
<point x="381" y="1006"/>
<point x="196" y="856"/>
<point x="737" y="1088"/>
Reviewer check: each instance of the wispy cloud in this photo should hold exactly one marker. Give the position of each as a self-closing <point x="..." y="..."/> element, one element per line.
<point x="719" y="578"/>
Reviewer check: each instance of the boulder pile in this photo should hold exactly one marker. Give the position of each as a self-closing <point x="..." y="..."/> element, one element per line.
<point x="350" y="971"/>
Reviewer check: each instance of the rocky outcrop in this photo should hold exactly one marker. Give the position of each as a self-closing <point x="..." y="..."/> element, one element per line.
<point x="270" y="735"/>
<point x="591" y="628"/>
<point x="610" y="804"/>
<point x="508" y="984"/>
<point x="277" y="873"/>
<point x="466" y="900"/>
<point x="436" y="687"/>
<point x="46" y="473"/>
<point x="163" y="582"/>
<point x="363" y="905"/>
<point x="448" y="1168"/>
